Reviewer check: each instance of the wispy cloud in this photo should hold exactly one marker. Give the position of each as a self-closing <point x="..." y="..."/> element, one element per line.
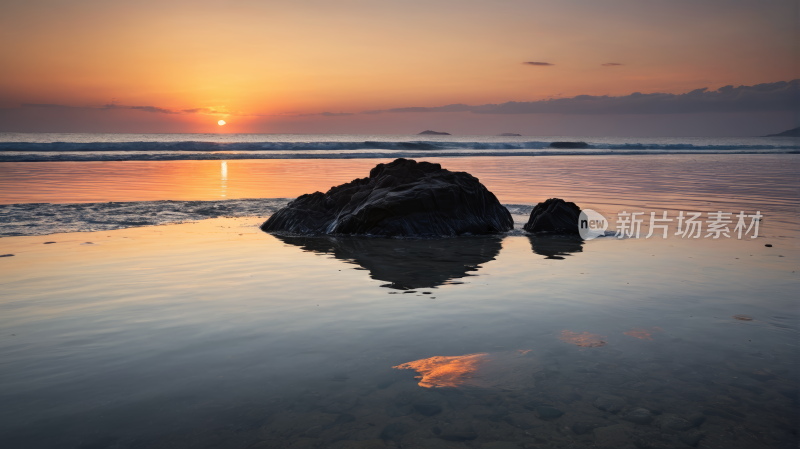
<point x="327" y="114"/>
<point x="610" y="64"/>
<point x="779" y="96"/>
<point x="537" y="63"/>
<point x="43" y="105"/>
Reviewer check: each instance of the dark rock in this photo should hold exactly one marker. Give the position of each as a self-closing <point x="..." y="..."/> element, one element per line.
<point x="407" y="263"/>
<point x="639" y="416"/>
<point x="555" y="216"/>
<point x="427" y="409"/>
<point x="691" y="438"/>
<point x="611" y="404"/>
<point x="402" y="198"/>
<point x="768" y="245"/>
<point x="555" y="247"/>
<point x="570" y="145"/>
<point x="432" y="133"/>
<point x="395" y="431"/>
<point x="544" y="412"/>
<point x="6" y="255"/>
<point x="510" y="135"/>
<point x="48" y="243"/>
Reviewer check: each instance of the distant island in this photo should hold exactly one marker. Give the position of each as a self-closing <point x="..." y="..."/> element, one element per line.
<point x="510" y="135"/>
<point x="432" y="133"/>
<point x="794" y="132"/>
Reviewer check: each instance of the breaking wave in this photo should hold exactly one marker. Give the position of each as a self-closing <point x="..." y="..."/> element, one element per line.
<point x="199" y="150"/>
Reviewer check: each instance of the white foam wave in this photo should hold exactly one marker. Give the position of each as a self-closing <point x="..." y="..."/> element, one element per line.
<point x="198" y="150"/>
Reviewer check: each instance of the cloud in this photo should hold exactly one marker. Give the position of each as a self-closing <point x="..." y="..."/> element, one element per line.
<point x="609" y="64"/>
<point x="153" y="109"/>
<point x="43" y="105"/>
<point x="448" y="108"/>
<point x="327" y="114"/>
<point x="537" y="63"/>
<point x="779" y="96"/>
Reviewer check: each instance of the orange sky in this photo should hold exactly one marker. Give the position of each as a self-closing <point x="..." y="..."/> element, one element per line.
<point x="264" y="58"/>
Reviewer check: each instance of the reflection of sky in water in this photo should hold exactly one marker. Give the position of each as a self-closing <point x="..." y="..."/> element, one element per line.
<point x="150" y="331"/>
<point x="442" y="371"/>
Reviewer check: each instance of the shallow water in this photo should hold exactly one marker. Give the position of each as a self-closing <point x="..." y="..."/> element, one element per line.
<point x="213" y="334"/>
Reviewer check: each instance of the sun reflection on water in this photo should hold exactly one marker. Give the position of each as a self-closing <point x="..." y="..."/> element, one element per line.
<point x="224" y="187"/>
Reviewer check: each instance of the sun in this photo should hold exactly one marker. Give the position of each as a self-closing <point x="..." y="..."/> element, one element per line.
<point x="221" y="122"/>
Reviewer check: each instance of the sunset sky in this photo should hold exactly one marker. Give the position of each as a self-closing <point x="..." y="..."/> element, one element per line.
<point x="351" y="66"/>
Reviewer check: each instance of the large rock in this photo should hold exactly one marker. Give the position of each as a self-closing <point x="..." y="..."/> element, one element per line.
<point x="555" y="216"/>
<point x="402" y="198"/>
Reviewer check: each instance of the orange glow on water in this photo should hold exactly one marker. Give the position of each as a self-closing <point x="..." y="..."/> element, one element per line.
<point x="643" y="334"/>
<point x="440" y="371"/>
<point x="585" y="339"/>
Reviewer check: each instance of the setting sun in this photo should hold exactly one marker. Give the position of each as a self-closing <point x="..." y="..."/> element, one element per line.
<point x="221" y="122"/>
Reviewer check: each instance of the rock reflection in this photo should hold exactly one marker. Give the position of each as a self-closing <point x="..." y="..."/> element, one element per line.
<point x="407" y="264"/>
<point x="555" y="246"/>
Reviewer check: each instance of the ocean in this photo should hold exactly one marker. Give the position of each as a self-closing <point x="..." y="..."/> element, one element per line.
<point x="141" y="306"/>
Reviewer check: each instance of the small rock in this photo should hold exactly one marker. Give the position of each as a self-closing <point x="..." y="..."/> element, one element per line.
<point x="548" y="413"/>
<point x="6" y="255"/>
<point x="48" y="243"/>
<point x="691" y="438"/>
<point x="639" y="416"/>
<point x="768" y="245"/>
<point x="555" y="216"/>
<point x="611" y="404"/>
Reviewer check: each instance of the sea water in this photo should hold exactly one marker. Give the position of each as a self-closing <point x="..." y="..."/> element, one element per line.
<point x="206" y="332"/>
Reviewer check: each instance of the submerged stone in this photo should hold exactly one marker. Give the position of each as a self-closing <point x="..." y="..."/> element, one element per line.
<point x="608" y="403"/>
<point x="554" y="216"/>
<point x="402" y="198"/>
<point x="548" y="413"/>
<point x="639" y="416"/>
